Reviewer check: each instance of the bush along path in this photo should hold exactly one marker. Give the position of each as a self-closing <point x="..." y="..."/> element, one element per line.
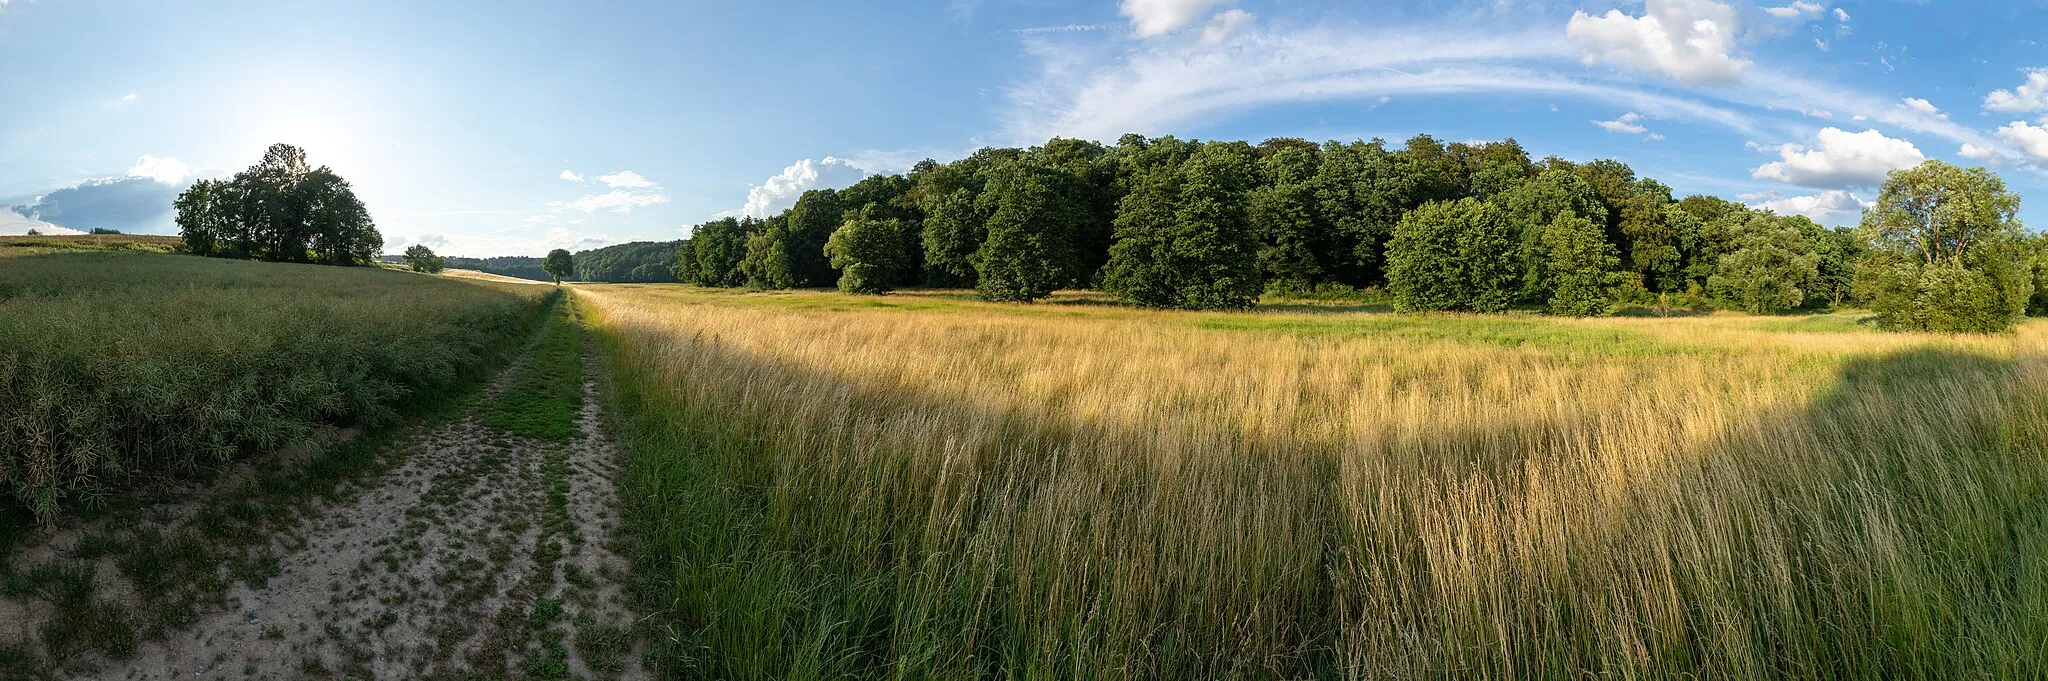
<point x="481" y="552"/>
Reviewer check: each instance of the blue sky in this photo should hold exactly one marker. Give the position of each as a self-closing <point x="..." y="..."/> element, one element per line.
<point x="513" y="127"/>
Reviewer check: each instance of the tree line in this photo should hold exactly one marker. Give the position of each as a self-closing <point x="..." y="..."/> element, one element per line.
<point x="1172" y="223"/>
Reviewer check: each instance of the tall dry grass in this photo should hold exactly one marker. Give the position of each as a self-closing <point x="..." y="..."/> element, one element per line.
<point x="914" y="487"/>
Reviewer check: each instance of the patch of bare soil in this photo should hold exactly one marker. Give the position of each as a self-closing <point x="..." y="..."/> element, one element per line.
<point x="484" y="555"/>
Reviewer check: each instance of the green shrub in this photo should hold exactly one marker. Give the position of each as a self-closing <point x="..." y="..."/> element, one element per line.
<point x="1946" y="296"/>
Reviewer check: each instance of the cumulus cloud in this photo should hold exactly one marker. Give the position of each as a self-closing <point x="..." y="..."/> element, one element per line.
<point x="1625" y="125"/>
<point x="1831" y="207"/>
<point x="1841" y="159"/>
<point x="162" y="170"/>
<point x="2029" y="97"/>
<point x="1841" y="15"/>
<point x="129" y="204"/>
<point x="572" y="176"/>
<point x="1225" y="25"/>
<point x="16" y="224"/>
<point x="625" y="179"/>
<point x="781" y="191"/>
<point x="1689" y="40"/>
<point x="1978" y="154"/>
<point x="2033" y="140"/>
<point x="1158" y="17"/>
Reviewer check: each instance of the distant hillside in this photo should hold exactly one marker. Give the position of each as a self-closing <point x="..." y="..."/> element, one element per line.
<point x="637" y="262"/>
<point x="633" y="263"/>
<point x="519" y="266"/>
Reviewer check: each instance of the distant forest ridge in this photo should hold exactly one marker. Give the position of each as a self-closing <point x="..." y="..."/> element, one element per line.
<point x="639" y="262"/>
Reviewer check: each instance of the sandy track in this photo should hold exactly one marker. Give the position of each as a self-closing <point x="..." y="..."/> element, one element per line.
<point x="483" y="555"/>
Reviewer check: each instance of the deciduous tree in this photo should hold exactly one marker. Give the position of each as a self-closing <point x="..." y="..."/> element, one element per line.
<point x="1947" y="252"/>
<point x="868" y="251"/>
<point x="1581" y="266"/>
<point x="559" y="264"/>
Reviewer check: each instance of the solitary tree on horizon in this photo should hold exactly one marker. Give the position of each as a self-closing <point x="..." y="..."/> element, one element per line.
<point x="559" y="264"/>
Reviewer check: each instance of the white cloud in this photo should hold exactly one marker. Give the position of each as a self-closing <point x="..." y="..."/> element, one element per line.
<point x="1157" y="17"/>
<point x="1841" y="159"/>
<point x="1796" y="10"/>
<point x="620" y="201"/>
<point x="781" y="191"/>
<point x="1625" y="125"/>
<point x="1922" y="106"/>
<point x="2029" y="97"/>
<point x="163" y="170"/>
<point x="1225" y="25"/>
<point x="125" y="100"/>
<point x="1157" y="86"/>
<point x="625" y="179"/>
<point x="1779" y="90"/>
<point x="2028" y="138"/>
<point x="1822" y="44"/>
<point x="1063" y="28"/>
<point x="1831" y="207"/>
<point x="1841" y="14"/>
<point x="1688" y="40"/>
<point x="16" y="224"/>
<point x="629" y="191"/>
<point x="1978" y="154"/>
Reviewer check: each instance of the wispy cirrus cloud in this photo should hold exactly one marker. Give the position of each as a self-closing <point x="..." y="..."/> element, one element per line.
<point x="1164" y="84"/>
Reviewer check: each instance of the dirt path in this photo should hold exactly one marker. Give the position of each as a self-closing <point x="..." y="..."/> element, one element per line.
<point x="484" y="555"/>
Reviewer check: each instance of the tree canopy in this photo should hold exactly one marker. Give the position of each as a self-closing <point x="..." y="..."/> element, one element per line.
<point x="281" y="209"/>
<point x="1947" y="252"/>
<point x="420" y="258"/>
<point x="559" y="265"/>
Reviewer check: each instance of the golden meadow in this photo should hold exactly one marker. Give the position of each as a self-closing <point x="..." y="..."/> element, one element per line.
<point x="920" y="486"/>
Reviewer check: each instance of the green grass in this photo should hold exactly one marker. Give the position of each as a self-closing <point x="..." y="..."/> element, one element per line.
<point x="1497" y="330"/>
<point x="1836" y="322"/>
<point x="118" y="366"/>
<point x="130" y="243"/>
<point x="546" y="391"/>
<point x="175" y="574"/>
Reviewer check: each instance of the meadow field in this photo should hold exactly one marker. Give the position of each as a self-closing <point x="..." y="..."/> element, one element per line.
<point x="921" y="486"/>
<point x="116" y="363"/>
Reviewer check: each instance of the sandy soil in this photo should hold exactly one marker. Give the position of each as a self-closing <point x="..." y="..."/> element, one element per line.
<point x="482" y="555"/>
